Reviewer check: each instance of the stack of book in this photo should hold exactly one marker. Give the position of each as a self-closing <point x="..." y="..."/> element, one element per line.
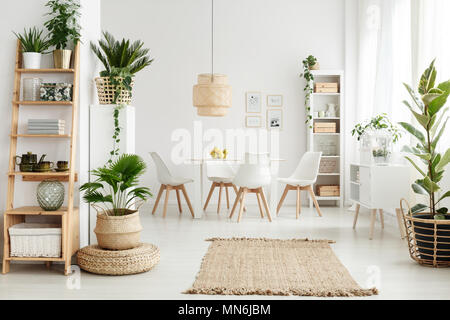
<point x="46" y="126"/>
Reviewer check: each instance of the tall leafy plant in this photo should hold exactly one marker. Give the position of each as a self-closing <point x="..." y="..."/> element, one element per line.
<point x="32" y="40"/>
<point x="116" y="187"/>
<point x="428" y="109"/>
<point x="308" y="63"/>
<point x="63" y="24"/>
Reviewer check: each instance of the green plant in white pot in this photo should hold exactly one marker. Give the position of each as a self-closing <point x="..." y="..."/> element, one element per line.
<point x="116" y="196"/>
<point x="33" y="45"/>
<point x="431" y="116"/>
<point x="64" y="29"/>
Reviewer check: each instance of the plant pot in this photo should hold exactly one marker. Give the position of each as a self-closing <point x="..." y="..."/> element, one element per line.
<point x="61" y="59"/>
<point x="118" y="232"/>
<point x="31" y="60"/>
<point x="316" y="66"/>
<point x="428" y="239"/>
<point x="106" y="91"/>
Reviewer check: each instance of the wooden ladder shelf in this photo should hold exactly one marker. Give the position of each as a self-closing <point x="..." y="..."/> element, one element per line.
<point x="69" y="215"/>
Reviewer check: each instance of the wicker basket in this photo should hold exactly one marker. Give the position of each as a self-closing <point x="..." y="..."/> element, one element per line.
<point x="118" y="232"/>
<point x="327" y="165"/>
<point x="35" y="240"/>
<point x="106" y="91"/>
<point x="428" y="239"/>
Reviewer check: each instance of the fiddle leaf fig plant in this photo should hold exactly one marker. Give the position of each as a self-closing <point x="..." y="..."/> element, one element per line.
<point x="428" y="109"/>
<point x="308" y="63"/>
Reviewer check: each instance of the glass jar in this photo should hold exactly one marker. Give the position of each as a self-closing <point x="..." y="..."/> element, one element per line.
<point x="31" y="89"/>
<point x="376" y="147"/>
<point x="50" y="195"/>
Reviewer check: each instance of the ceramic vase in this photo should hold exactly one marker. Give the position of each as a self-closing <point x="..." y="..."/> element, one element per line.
<point x="50" y="195"/>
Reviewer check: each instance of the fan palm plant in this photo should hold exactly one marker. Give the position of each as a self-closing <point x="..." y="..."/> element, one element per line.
<point x="121" y="54"/>
<point x="116" y="188"/>
<point x="429" y="112"/>
<point x="32" y="40"/>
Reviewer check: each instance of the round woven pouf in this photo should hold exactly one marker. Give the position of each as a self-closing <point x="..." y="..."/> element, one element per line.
<point x="118" y="262"/>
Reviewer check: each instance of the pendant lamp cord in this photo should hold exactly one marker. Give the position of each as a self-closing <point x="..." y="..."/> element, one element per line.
<point x="212" y="40"/>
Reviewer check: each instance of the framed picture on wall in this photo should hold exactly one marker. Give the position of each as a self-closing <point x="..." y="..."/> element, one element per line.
<point x="274" y="100"/>
<point x="274" y="119"/>
<point x="253" y="121"/>
<point x="253" y="102"/>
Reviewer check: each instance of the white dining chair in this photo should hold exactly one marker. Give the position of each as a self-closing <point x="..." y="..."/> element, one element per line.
<point x="251" y="177"/>
<point x="221" y="175"/>
<point x="303" y="178"/>
<point x="168" y="183"/>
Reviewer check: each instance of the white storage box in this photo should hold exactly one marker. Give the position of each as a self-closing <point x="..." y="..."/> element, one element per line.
<point x="35" y="240"/>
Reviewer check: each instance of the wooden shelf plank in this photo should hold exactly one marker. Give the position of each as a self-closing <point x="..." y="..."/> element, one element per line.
<point x="328" y="198"/>
<point x="34" y="259"/>
<point x="43" y="103"/>
<point x="47" y="70"/>
<point x="39" y="176"/>
<point x="36" y="210"/>
<point x="41" y="135"/>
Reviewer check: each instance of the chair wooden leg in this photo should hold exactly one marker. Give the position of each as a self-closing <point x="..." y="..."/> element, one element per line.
<point x="228" y="198"/>
<point x="372" y="223"/>
<point x="298" y="203"/>
<point x="282" y="198"/>
<point x="258" y="196"/>
<point x="161" y="189"/>
<point x="313" y="197"/>
<point x="220" y="197"/>
<point x="213" y="186"/>
<point x="238" y="198"/>
<point x="183" y="189"/>
<point x="266" y="205"/>
<point x="168" y="188"/>
<point x="356" y="215"/>
<point x="381" y="218"/>
<point x="241" y="209"/>
<point x="236" y="190"/>
<point x="179" y="202"/>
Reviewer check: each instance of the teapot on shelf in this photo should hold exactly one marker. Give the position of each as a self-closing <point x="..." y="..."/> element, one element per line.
<point x="27" y="161"/>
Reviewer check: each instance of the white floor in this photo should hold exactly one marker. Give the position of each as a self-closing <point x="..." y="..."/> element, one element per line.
<point x="181" y="240"/>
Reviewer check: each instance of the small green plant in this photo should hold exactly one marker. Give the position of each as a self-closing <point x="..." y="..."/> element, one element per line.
<point x="308" y="89"/>
<point x="32" y="40"/>
<point x="63" y="24"/>
<point x="378" y="122"/>
<point x="121" y="55"/>
<point x="431" y="116"/>
<point x="116" y="187"/>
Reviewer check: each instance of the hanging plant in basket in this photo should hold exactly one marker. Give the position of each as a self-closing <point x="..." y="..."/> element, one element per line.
<point x="310" y="63"/>
<point x="428" y="225"/>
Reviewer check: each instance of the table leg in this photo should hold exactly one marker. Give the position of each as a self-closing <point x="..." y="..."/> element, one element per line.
<point x="273" y="188"/>
<point x="198" y="190"/>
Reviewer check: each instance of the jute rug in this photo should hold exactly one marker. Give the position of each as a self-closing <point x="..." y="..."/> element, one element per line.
<point x="243" y="266"/>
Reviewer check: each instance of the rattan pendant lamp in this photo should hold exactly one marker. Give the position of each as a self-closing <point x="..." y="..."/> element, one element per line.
<point x="212" y="94"/>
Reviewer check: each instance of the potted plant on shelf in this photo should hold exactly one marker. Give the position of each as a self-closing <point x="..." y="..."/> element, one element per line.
<point x="122" y="60"/>
<point x="377" y="136"/>
<point x="33" y="45"/>
<point x="310" y="63"/>
<point x="116" y="196"/>
<point x="64" y="29"/>
<point x="428" y="225"/>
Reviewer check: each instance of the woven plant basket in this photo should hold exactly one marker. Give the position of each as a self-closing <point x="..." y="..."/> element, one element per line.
<point x="106" y="91"/>
<point x="118" y="232"/>
<point x="428" y="239"/>
<point x="140" y="259"/>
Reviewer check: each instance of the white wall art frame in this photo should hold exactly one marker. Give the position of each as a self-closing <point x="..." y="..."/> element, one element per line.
<point x="274" y="119"/>
<point x="274" y="100"/>
<point x="253" y="102"/>
<point x="253" y="121"/>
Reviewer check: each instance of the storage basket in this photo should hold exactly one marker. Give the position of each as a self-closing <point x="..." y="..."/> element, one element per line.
<point x="327" y="190"/>
<point x="56" y="91"/>
<point x="326" y="87"/>
<point x="106" y="91"/>
<point x="327" y="165"/>
<point x="35" y="240"/>
<point x="324" y="127"/>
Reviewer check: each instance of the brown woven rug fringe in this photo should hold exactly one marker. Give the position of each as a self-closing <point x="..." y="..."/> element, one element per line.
<point x="269" y="239"/>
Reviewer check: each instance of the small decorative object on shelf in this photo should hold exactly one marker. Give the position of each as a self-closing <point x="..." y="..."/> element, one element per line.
<point x="27" y="161"/>
<point x="64" y="28"/>
<point x="50" y="195"/>
<point x="33" y="45"/>
<point x="332" y="110"/>
<point x="377" y="137"/>
<point x="31" y="89"/>
<point x="46" y="126"/>
<point x="216" y="153"/>
<point x="56" y="91"/>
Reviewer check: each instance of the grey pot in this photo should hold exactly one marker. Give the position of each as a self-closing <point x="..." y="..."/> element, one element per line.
<point x="50" y="195"/>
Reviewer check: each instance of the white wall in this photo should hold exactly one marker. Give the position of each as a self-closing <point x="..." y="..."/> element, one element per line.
<point x="259" y="44"/>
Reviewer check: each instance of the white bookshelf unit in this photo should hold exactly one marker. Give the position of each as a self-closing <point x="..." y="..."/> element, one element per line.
<point x="331" y="144"/>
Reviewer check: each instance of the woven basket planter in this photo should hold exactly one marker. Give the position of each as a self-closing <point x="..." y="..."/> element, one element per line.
<point x="140" y="259"/>
<point x="118" y="232"/>
<point x="428" y="239"/>
<point x="106" y="91"/>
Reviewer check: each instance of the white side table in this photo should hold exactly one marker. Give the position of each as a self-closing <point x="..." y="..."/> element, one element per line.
<point x="377" y="187"/>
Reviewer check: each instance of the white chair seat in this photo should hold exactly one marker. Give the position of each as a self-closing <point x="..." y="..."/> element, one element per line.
<point x="221" y="179"/>
<point x="296" y="182"/>
<point x="176" y="181"/>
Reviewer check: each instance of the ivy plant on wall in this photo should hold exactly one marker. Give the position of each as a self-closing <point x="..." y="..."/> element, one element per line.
<point x="308" y="64"/>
